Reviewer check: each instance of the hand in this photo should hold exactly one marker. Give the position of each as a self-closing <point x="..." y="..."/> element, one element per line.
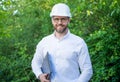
<point x="43" y="78"/>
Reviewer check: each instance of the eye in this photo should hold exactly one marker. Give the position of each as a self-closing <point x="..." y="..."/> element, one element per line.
<point x="63" y="19"/>
<point x="55" y="19"/>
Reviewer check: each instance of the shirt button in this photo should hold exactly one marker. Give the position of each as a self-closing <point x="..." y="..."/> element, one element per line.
<point x="55" y="80"/>
<point x="56" y="63"/>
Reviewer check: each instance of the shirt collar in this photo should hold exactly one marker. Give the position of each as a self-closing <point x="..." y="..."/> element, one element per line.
<point x="65" y="36"/>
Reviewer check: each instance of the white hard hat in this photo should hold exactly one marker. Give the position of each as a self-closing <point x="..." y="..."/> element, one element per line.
<point x="60" y="9"/>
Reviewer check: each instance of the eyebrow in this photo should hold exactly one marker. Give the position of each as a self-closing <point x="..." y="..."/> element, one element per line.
<point x="61" y="17"/>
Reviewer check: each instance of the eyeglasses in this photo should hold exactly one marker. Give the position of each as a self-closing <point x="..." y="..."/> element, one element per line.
<point x="56" y="20"/>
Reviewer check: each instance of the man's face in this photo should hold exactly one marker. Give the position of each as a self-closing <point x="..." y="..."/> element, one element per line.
<point x="60" y="23"/>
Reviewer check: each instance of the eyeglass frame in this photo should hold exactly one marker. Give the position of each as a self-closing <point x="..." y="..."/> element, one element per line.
<point x="56" y="20"/>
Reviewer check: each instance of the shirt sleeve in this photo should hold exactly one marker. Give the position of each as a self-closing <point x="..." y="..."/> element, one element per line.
<point x="85" y="64"/>
<point x="37" y="60"/>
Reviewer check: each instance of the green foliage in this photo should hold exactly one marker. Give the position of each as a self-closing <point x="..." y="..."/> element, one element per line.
<point x="24" y="22"/>
<point x="104" y="46"/>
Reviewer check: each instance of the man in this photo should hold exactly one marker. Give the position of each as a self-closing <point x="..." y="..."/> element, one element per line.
<point x="68" y="51"/>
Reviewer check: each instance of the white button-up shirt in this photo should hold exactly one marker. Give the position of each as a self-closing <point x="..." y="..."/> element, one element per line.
<point x="70" y="56"/>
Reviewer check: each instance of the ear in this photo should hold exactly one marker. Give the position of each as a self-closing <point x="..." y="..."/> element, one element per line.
<point x="69" y="21"/>
<point x="52" y="20"/>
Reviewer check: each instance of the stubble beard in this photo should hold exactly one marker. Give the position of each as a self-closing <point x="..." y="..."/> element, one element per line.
<point x="61" y="30"/>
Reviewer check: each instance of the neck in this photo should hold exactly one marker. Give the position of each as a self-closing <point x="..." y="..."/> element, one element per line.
<point x="61" y="35"/>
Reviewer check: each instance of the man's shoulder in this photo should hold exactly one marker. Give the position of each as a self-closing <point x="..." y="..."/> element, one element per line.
<point x="48" y="37"/>
<point x="77" y="40"/>
<point x="45" y="39"/>
<point x="76" y="37"/>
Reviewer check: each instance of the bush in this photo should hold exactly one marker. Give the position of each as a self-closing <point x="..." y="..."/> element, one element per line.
<point x="104" y="46"/>
<point x="95" y="21"/>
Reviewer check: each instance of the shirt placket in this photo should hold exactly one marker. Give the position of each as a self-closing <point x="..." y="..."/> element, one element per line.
<point x="57" y="52"/>
<point x="57" y="55"/>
